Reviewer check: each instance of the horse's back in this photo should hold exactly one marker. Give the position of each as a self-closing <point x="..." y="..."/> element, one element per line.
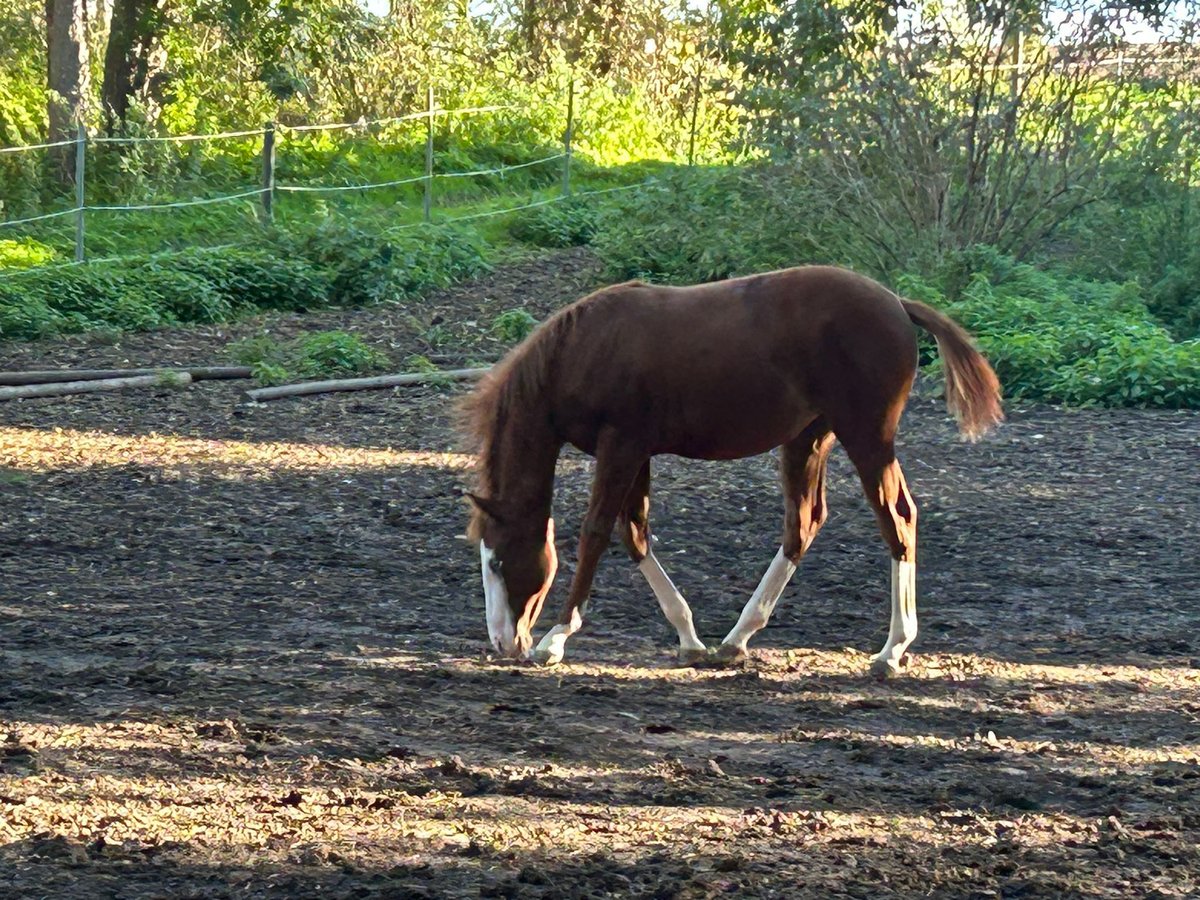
<point x="734" y="367"/>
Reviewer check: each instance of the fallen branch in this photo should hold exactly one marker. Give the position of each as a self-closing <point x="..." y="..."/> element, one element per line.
<point x="361" y="384"/>
<point x="56" y="376"/>
<point x="58" y="389"/>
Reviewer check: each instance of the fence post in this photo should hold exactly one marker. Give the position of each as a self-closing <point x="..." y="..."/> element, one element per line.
<point x="429" y="154"/>
<point x="1018" y="60"/>
<point x="80" y="155"/>
<point x="268" y="171"/>
<point x="695" y="112"/>
<point x="566" y="173"/>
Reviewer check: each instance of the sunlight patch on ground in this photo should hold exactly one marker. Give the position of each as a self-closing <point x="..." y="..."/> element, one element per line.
<point x="33" y="450"/>
<point x="311" y="811"/>
<point x="791" y="665"/>
<point x="1096" y="756"/>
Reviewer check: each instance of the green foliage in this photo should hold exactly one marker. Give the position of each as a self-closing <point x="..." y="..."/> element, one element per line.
<point x="1064" y="339"/>
<point x="131" y="299"/>
<point x="365" y="268"/>
<point x="319" y="354"/>
<point x="702" y="225"/>
<point x="24" y="253"/>
<point x="337" y="353"/>
<point x="256" y="279"/>
<point x="1175" y="298"/>
<point x="418" y="363"/>
<point x="331" y="264"/>
<point x="565" y="224"/>
<point x="514" y="325"/>
<point x="24" y="317"/>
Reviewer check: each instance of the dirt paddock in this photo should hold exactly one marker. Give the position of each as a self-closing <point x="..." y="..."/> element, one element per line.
<point x="242" y="657"/>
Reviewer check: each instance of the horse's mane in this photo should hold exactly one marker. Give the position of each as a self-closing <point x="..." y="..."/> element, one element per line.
<point x="515" y="383"/>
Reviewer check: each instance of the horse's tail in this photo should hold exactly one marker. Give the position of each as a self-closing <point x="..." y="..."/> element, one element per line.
<point x="972" y="388"/>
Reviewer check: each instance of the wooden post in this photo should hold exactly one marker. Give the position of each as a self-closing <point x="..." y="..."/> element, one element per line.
<point x="695" y="112"/>
<point x="567" y="135"/>
<point x="268" y="172"/>
<point x="58" y="376"/>
<point x="429" y="155"/>
<point x="260" y="395"/>
<point x="80" y="156"/>
<point x="62" y="388"/>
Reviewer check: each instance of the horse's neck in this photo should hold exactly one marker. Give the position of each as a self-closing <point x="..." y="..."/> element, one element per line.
<point x="523" y="465"/>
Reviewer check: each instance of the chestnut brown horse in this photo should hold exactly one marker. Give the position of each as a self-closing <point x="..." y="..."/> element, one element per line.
<point x="794" y="359"/>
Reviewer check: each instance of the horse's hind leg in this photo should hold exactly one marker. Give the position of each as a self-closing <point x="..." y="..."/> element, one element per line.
<point x="886" y="490"/>
<point x="802" y="468"/>
<point x="634" y="528"/>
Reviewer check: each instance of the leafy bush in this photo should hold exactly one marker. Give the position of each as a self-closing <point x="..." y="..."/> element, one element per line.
<point x="179" y="296"/>
<point x="1066" y="340"/>
<point x="337" y="353"/>
<point x="256" y="279"/>
<point x="704" y="225"/>
<point x="331" y="264"/>
<point x="514" y="325"/>
<point x="566" y="224"/>
<point x="1175" y="299"/>
<point x="76" y="299"/>
<point x="24" y="253"/>
<point x="365" y="268"/>
<point x="320" y="354"/>
<point x="418" y="363"/>
<point x="28" y="318"/>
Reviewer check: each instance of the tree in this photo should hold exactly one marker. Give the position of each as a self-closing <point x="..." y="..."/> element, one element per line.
<point x="66" y="72"/>
<point x="134" y="59"/>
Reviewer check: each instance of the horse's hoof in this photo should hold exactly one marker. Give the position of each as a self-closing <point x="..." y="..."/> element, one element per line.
<point x="882" y="669"/>
<point x="727" y="656"/>
<point x="545" y="658"/>
<point x="695" y="657"/>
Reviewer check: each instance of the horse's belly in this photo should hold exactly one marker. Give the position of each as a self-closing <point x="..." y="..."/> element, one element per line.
<point x="736" y="428"/>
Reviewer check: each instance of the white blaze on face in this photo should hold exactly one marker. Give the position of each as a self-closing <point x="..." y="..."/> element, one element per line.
<point x="501" y="629"/>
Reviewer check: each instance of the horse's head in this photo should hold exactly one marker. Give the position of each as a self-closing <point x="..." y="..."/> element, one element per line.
<point x="516" y="550"/>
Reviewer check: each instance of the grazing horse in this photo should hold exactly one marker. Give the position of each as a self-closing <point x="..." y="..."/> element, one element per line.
<point x="794" y="359"/>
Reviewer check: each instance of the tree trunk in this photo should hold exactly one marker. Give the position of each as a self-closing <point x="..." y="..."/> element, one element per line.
<point x="66" y="75"/>
<point x="134" y="60"/>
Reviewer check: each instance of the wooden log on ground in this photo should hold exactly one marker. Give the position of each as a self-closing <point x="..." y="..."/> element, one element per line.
<point x="361" y="384"/>
<point x="62" y="388"/>
<point x="54" y="376"/>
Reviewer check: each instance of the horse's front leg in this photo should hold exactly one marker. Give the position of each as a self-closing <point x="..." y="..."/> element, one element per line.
<point x="634" y="528"/>
<point x="616" y="468"/>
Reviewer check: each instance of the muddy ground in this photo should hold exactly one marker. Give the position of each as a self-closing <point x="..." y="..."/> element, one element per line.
<point x="243" y="656"/>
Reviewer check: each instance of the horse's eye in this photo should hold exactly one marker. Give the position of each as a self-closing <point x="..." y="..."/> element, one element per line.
<point x="494" y="565"/>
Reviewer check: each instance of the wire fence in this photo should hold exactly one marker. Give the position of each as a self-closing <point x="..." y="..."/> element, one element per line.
<point x="271" y="134"/>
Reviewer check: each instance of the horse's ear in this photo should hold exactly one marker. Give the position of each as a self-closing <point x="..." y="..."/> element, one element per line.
<point x="485" y="505"/>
